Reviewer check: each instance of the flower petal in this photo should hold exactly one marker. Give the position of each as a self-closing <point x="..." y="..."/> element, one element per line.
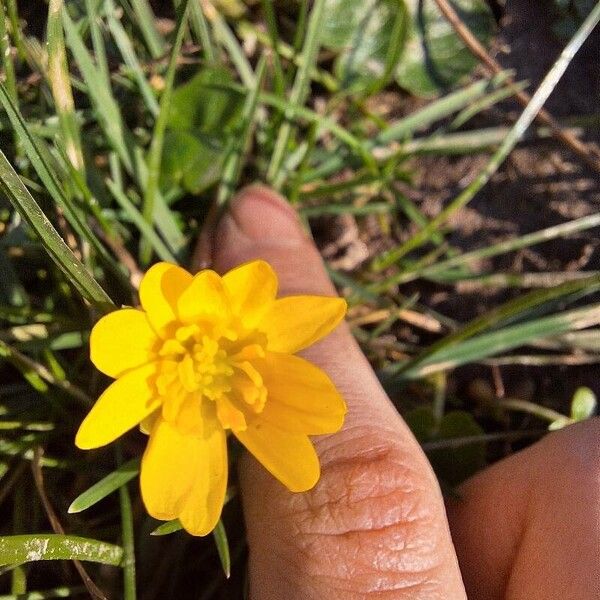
<point x="251" y="287"/>
<point x="204" y="503"/>
<point x="125" y="403"/>
<point x="160" y="288"/>
<point x="168" y="470"/>
<point x="295" y="322"/>
<point x="122" y="340"/>
<point x="205" y="296"/>
<point x="290" y="457"/>
<point x="301" y="397"/>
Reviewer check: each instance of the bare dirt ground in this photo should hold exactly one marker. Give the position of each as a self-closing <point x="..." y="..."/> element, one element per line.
<point x="540" y="185"/>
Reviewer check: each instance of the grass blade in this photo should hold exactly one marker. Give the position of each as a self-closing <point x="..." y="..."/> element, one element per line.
<point x="271" y="20"/>
<point x="501" y="314"/>
<point x="6" y="56"/>
<point x="38" y="155"/>
<point x="106" y="486"/>
<point x="17" y="549"/>
<point x="508" y="338"/>
<point x="17" y="194"/>
<point x="406" y="127"/>
<point x="446" y="266"/>
<point x="515" y="134"/>
<point x="97" y="39"/>
<point x="130" y="57"/>
<point x="127" y="533"/>
<point x="158" y="136"/>
<point x="58" y="75"/>
<point x="299" y="91"/>
<point x="199" y="28"/>
<point x="138" y="220"/>
<point x="233" y="161"/>
<point x="227" y="39"/>
<point x="146" y="22"/>
<point x="106" y="108"/>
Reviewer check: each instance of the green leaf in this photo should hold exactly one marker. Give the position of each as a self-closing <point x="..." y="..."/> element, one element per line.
<point x="422" y="423"/>
<point x="452" y="464"/>
<point x="370" y="34"/>
<point x="194" y="161"/>
<point x="205" y="104"/>
<point x="203" y="114"/>
<point x="17" y="549"/>
<point x="435" y="58"/>
<point x="583" y="405"/>
<point x="455" y="464"/>
<point x="106" y="486"/>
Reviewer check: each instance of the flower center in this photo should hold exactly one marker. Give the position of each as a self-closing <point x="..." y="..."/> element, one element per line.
<point x="209" y="362"/>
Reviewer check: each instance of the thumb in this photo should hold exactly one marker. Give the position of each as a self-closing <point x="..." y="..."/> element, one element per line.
<point x="375" y="522"/>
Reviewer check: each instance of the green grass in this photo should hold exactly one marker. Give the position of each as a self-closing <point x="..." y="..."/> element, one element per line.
<point x="118" y="136"/>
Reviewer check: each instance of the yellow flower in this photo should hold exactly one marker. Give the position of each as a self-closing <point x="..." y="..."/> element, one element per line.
<point x="203" y="355"/>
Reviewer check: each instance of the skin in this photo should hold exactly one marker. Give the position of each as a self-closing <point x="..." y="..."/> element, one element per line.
<point x="375" y="526"/>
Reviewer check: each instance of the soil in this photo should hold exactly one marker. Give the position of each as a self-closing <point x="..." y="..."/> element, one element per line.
<point x="540" y="185"/>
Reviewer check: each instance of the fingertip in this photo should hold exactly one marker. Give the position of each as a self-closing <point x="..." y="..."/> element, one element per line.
<point x="260" y="214"/>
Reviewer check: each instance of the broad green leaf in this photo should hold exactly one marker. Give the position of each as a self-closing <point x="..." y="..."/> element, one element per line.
<point x="203" y="114"/>
<point x="370" y="35"/>
<point x="17" y="549"/>
<point x="584" y="404"/>
<point x="205" y="104"/>
<point x="192" y="160"/>
<point x="422" y="423"/>
<point x="435" y="58"/>
<point x="454" y="465"/>
<point x="106" y="486"/>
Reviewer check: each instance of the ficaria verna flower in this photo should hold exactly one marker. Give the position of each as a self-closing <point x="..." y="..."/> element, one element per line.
<point x="206" y="354"/>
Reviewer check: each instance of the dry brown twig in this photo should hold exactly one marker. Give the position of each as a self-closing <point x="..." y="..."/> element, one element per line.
<point x="588" y="153"/>
<point x="36" y="468"/>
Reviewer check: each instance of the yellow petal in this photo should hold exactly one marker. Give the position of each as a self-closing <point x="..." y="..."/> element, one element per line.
<point x="168" y="470"/>
<point x="204" y="297"/>
<point x="251" y="287"/>
<point x="122" y="340"/>
<point x="204" y="503"/>
<point x="301" y="397"/>
<point x="160" y="288"/>
<point x="125" y="403"/>
<point x="295" y="322"/>
<point x="290" y="457"/>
